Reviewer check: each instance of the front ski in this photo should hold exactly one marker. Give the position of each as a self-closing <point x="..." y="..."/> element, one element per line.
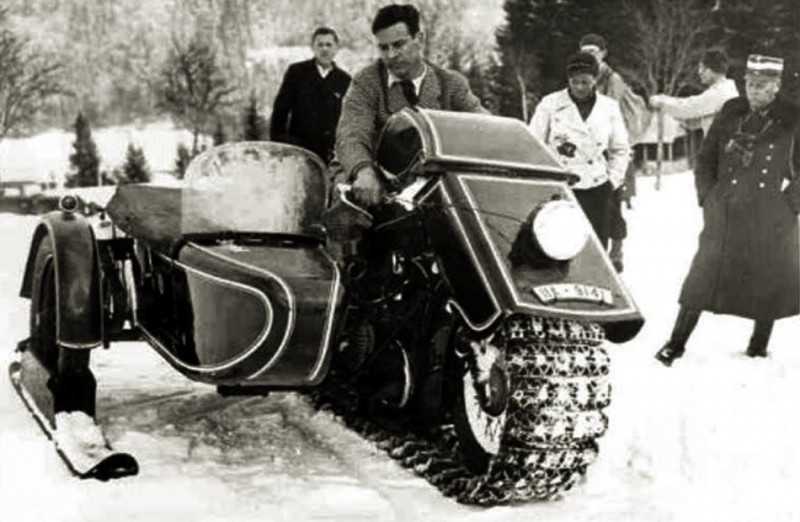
<point x="79" y="441"/>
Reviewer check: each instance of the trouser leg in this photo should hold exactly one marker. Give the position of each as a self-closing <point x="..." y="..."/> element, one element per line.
<point x="762" y="330"/>
<point x="618" y="229"/>
<point x="596" y="204"/>
<point x="684" y="326"/>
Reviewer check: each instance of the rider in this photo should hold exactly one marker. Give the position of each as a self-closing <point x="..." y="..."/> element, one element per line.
<point x="400" y="78"/>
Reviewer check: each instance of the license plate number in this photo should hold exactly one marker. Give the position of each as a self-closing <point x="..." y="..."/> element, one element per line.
<point x="573" y="292"/>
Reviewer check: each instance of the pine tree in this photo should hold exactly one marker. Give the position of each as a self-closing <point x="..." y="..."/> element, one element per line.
<point x="184" y="157"/>
<point x="254" y="124"/>
<point x="84" y="160"/>
<point x="135" y="169"/>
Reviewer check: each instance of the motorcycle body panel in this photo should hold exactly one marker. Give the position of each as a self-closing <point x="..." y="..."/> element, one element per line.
<point x="487" y="176"/>
<point x="486" y="214"/>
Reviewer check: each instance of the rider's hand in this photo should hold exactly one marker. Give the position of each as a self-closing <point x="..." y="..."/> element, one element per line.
<point x="367" y="187"/>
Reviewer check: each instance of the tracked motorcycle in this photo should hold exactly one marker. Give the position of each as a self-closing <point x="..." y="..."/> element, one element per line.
<point x="465" y="330"/>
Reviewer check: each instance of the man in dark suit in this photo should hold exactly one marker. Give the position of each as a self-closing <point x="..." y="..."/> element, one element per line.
<point x="309" y="102"/>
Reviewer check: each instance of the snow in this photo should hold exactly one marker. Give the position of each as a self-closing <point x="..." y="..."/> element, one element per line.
<point x="45" y="157"/>
<point x="715" y="437"/>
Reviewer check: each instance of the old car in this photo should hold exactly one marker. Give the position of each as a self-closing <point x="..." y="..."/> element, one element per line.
<point x="26" y="197"/>
<point x="466" y="327"/>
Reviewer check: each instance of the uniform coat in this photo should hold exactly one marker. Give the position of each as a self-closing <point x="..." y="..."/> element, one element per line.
<point x="747" y="261"/>
<point x="370" y="101"/>
<point x="307" y="107"/>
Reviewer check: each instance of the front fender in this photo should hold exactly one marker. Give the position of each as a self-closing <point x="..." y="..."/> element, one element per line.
<point x="77" y="276"/>
<point x="476" y="221"/>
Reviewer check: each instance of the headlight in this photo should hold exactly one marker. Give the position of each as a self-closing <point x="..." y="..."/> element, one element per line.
<point x="68" y="203"/>
<point x="560" y="229"/>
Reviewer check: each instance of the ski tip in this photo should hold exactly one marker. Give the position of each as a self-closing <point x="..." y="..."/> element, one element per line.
<point x="116" y="465"/>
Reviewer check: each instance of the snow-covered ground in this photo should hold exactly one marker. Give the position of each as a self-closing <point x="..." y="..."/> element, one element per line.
<point x="716" y="437"/>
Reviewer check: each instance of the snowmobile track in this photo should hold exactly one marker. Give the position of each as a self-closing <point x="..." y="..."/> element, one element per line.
<point x="558" y="371"/>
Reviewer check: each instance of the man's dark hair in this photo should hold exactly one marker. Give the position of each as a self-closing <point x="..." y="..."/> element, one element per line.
<point x="716" y="60"/>
<point x="319" y="31"/>
<point x="392" y="14"/>
<point x="593" y="39"/>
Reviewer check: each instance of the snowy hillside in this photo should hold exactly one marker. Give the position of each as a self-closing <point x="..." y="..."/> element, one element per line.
<point x="713" y="438"/>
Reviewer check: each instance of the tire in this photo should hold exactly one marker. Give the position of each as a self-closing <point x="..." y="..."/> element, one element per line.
<point x="71" y="381"/>
<point x="478" y="426"/>
<point x="43" y="308"/>
<point x="558" y="386"/>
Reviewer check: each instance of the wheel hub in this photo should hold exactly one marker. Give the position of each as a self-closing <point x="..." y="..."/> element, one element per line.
<point x="486" y="389"/>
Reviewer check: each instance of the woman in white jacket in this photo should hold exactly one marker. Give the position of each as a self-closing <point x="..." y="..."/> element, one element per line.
<point x="587" y="132"/>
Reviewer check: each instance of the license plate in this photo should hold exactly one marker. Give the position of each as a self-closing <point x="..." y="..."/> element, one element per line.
<point x="573" y="292"/>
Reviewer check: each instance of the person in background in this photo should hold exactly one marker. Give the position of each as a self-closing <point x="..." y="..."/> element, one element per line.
<point x="637" y="118"/>
<point x="698" y="111"/>
<point x="400" y="78"/>
<point x="309" y="101"/>
<point x="748" y="261"/>
<point x="587" y="132"/>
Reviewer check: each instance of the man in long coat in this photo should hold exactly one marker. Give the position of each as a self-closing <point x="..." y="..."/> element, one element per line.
<point x="747" y="263"/>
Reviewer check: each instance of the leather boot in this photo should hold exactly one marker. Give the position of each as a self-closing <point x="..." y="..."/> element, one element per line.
<point x="669" y="353"/>
<point x="616" y="255"/>
<point x="762" y="331"/>
<point x="676" y="346"/>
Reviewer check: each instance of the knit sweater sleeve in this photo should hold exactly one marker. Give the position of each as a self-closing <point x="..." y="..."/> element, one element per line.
<point x="355" y="134"/>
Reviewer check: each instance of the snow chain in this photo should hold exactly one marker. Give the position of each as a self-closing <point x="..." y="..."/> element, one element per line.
<point x="559" y="381"/>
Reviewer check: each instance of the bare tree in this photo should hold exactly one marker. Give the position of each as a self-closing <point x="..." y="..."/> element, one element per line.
<point x="667" y="41"/>
<point x="27" y="80"/>
<point x="194" y="86"/>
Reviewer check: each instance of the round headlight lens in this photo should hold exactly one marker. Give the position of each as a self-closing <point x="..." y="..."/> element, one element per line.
<point x="560" y="229"/>
<point x="68" y="203"/>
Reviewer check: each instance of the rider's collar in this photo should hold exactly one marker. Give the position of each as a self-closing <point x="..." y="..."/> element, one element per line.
<point x="392" y="79"/>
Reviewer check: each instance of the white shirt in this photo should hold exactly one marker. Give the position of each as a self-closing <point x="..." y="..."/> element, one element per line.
<point x="416" y="81"/>
<point x="322" y="71"/>
<point x="703" y="106"/>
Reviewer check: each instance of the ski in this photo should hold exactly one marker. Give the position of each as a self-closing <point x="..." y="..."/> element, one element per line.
<point x="78" y="440"/>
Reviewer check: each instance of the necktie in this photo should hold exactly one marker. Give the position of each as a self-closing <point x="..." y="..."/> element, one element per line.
<point x="409" y="91"/>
